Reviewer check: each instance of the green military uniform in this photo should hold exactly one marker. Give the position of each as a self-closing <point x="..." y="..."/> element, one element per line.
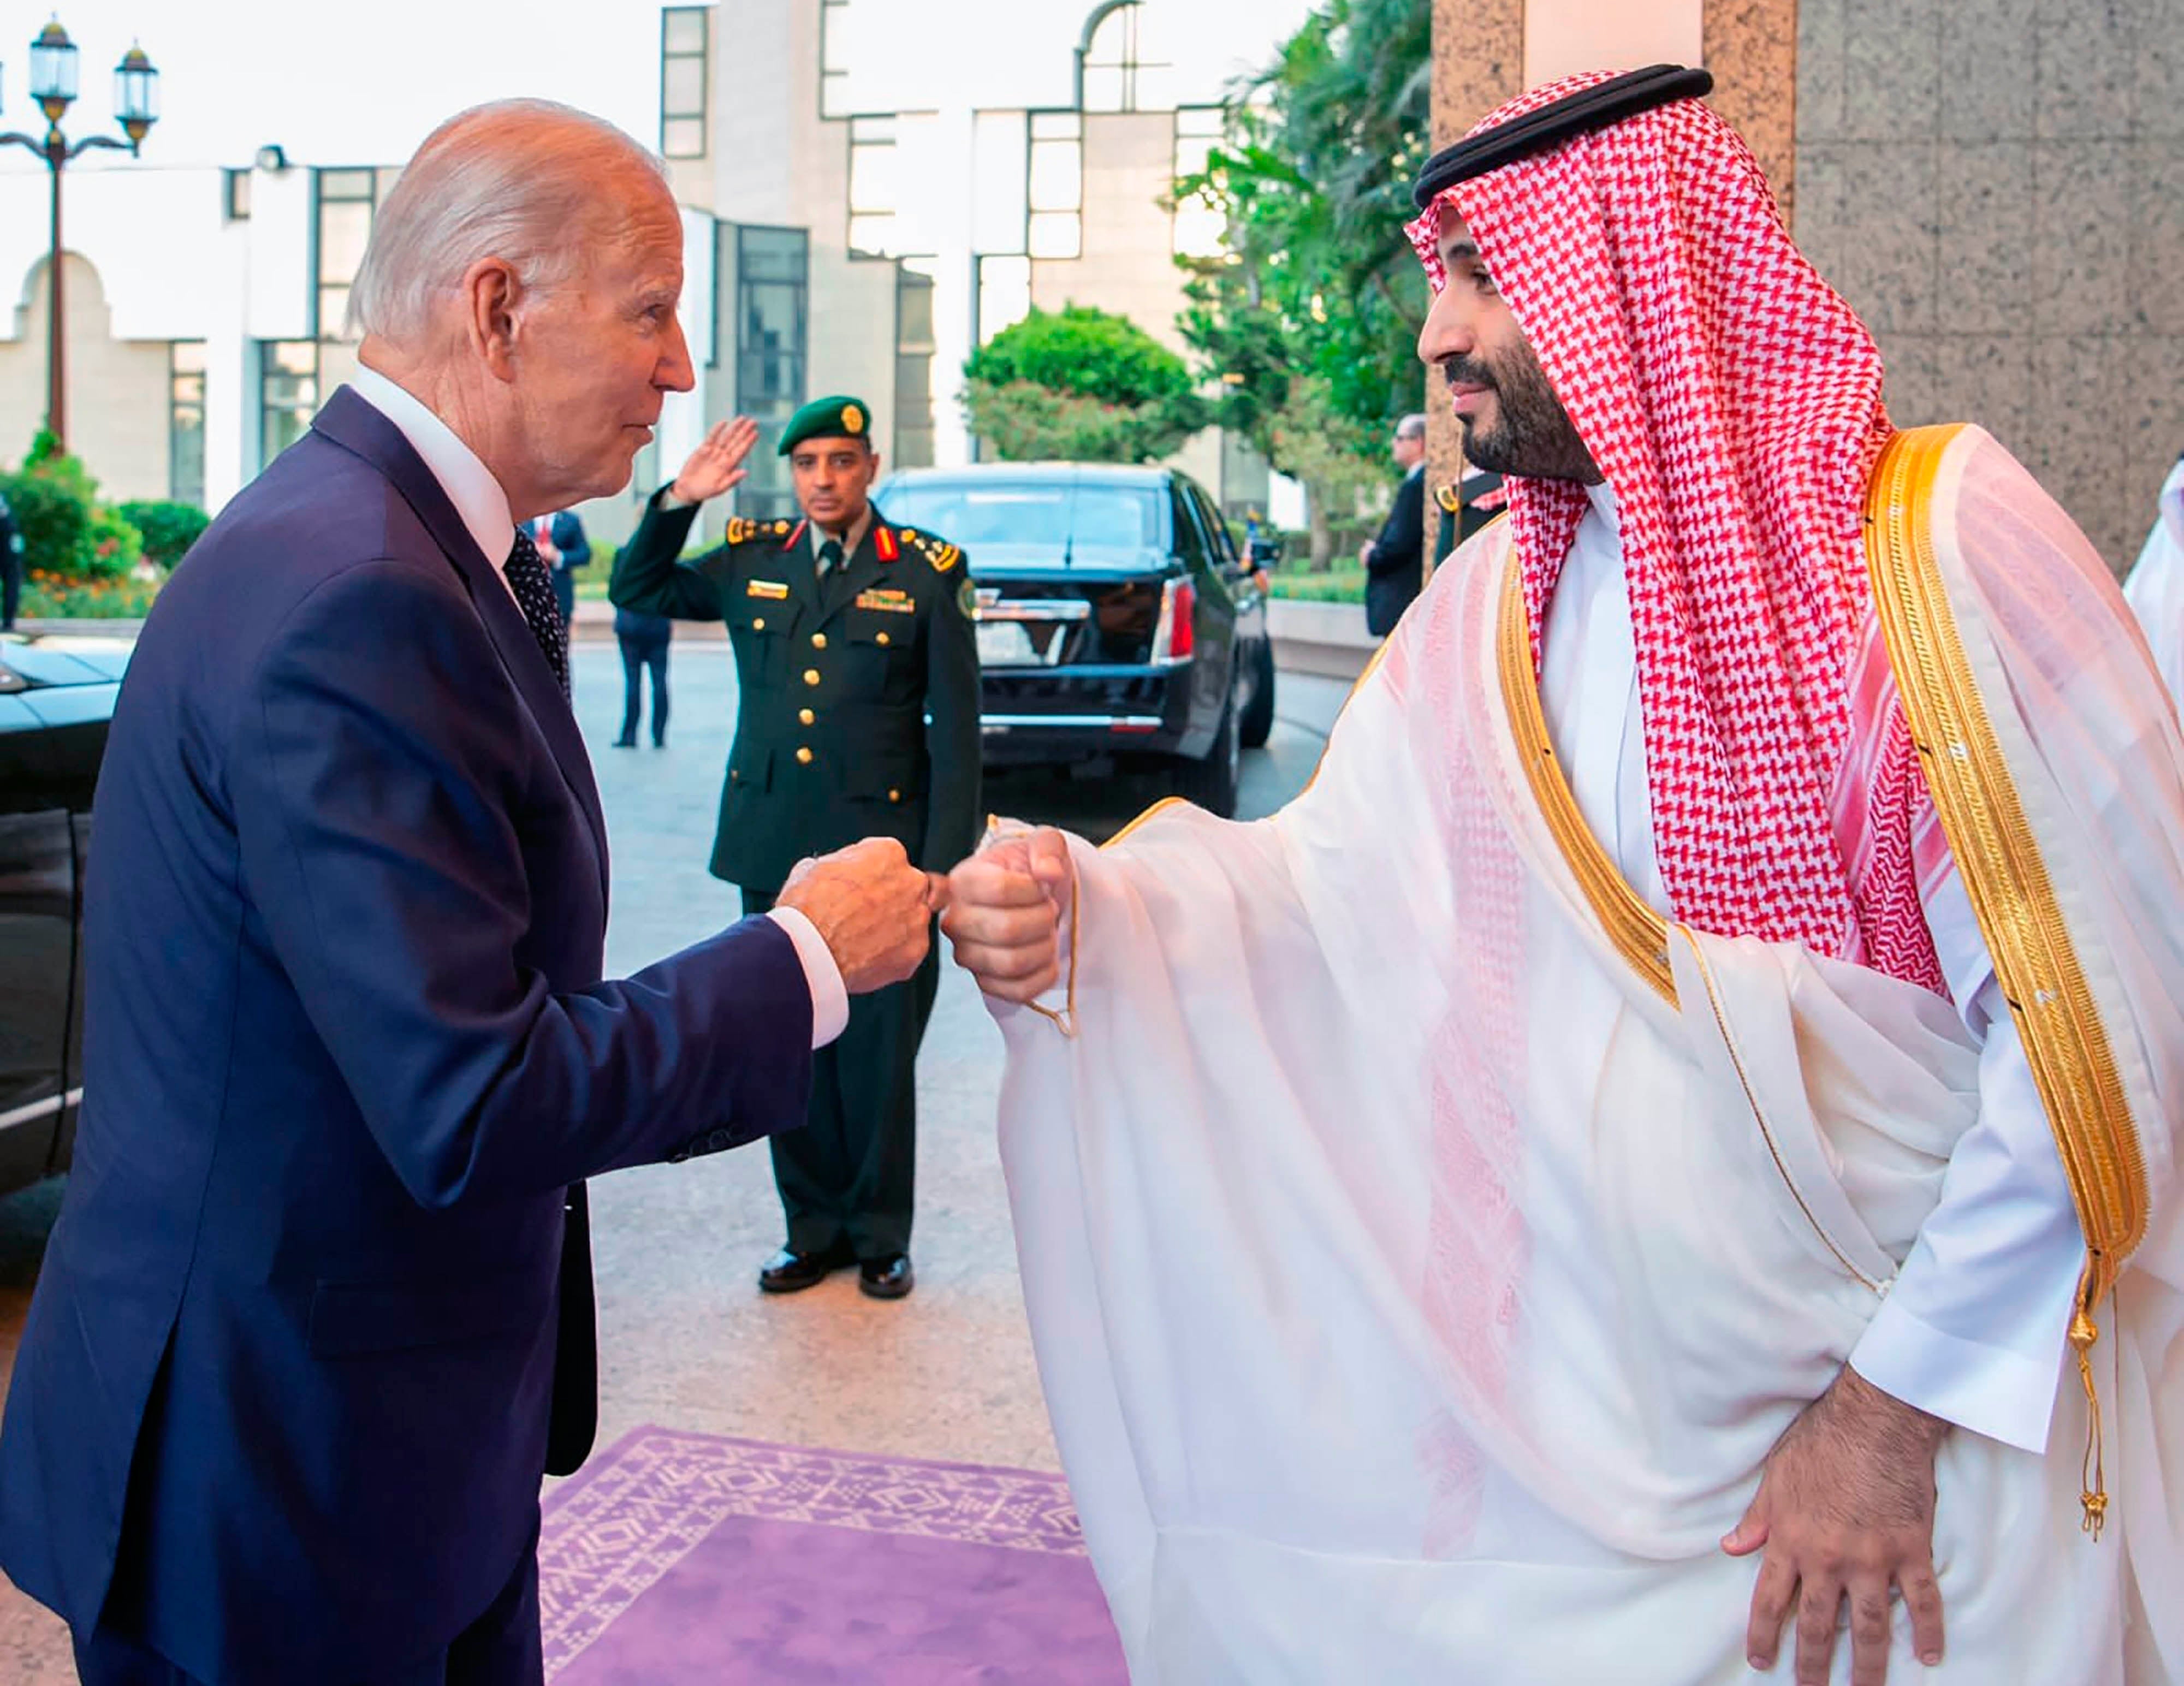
<point x="858" y="717"/>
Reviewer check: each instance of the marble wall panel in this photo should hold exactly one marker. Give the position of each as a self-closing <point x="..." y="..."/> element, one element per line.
<point x="2087" y="55"/>
<point x="1752" y="48"/>
<point x="1867" y="218"/>
<point x="1988" y="85"/>
<point x="2157" y="97"/>
<point x="1986" y="378"/>
<point x="2081" y="207"/>
<point x="2152" y="431"/>
<point x="2071" y="442"/>
<point x="1821" y="26"/>
<point x="1891" y="68"/>
<point x="1983" y="201"/>
<point x="1913" y="387"/>
<point x="2155" y="290"/>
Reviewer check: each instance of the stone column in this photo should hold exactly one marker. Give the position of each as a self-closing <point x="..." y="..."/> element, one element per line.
<point x="1478" y="63"/>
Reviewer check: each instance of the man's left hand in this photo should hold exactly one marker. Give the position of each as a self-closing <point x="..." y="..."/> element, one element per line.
<point x="1844" y="1510"/>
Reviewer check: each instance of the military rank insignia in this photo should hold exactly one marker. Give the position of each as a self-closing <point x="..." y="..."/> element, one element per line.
<point x="742" y="530"/>
<point x="884" y="542"/>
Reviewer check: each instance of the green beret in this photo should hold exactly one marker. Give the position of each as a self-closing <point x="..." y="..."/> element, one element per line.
<point x="834" y="418"/>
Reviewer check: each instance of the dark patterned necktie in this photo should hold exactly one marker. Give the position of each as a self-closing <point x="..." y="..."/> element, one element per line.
<point x="830" y="556"/>
<point x="534" y="596"/>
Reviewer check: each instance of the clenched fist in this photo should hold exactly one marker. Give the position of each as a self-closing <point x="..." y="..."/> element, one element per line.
<point x="1005" y="913"/>
<point x="871" y="908"/>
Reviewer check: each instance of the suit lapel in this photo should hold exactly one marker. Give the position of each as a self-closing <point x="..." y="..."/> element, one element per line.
<point x="358" y="427"/>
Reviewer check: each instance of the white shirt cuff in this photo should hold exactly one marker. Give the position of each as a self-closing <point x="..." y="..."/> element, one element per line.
<point x="830" y="996"/>
<point x="1988" y="1389"/>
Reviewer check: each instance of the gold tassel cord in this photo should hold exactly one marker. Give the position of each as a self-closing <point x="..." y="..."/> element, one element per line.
<point x="2094" y="1478"/>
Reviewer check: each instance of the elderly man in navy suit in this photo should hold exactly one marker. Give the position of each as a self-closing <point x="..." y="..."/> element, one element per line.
<point x="317" y="1313"/>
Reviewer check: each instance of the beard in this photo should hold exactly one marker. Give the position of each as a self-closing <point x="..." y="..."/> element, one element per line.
<point x="1532" y="436"/>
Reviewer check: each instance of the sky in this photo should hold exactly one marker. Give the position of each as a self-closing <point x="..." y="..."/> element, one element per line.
<point x="334" y="83"/>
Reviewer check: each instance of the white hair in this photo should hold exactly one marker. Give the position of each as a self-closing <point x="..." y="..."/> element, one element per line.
<point x="523" y="180"/>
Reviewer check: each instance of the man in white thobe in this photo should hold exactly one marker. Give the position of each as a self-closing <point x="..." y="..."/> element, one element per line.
<point x="1663" y="1150"/>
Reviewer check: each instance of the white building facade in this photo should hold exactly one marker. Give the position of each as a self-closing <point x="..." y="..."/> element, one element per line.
<point x="833" y="242"/>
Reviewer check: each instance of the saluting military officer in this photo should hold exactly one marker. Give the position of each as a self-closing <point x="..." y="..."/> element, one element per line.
<point x="858" y="669"/>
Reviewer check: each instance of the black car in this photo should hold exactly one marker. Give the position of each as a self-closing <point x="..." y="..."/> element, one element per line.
<point x="56" y="698"/>
<point x="1118" y="625"/>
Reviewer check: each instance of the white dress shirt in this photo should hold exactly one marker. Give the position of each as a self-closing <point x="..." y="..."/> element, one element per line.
<point x="1973" y="1328"/>
<point x="483" y="508"/>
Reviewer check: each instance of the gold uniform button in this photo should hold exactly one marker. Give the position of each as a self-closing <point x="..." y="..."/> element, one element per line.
<point x="803" y="756"/>
<point x="883" y="639"/>
<point x="805" y="717"/>
<point x="818" y="641"/>
<point x="758" y="625"/>
<point x="894" y="796"/>
<point x="810" y="675"/>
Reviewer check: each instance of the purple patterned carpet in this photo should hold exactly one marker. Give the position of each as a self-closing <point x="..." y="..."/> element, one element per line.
<point x="690" y="1557"/>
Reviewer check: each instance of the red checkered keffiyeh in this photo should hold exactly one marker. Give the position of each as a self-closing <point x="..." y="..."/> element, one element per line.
<point x="1733" y="401"/>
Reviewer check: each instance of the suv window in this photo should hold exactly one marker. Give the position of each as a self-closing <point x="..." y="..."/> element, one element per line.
<point x="1189" y="534"/>
<point x="1057" y="513"/>
<point x="1216" y="529"/>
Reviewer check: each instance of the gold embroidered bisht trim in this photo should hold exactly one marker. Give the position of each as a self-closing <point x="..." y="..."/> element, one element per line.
<point x="1639" y="934"/>
<point x="2034" y="960"/>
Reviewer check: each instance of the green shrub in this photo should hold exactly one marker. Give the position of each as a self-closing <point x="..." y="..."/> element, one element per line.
<point x="54" y="518"/>
<point x="112" y="546"/>
<point x="169" y="530"/>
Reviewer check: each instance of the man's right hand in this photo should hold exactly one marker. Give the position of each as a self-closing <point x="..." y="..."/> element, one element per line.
<point x="717" y="463"/>
<point x="871" y="907"/>
<point x="1005" y="913"/>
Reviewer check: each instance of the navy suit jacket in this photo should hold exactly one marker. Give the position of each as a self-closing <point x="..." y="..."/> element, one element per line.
<point x="286" y="1384"/>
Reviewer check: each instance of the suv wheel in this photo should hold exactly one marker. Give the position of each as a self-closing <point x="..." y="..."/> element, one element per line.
<point x="1258" y="722"/>
<point x="1212" y="783"/>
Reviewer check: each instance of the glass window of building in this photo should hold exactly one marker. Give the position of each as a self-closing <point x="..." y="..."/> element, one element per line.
<point x="347" y="200"/>
<point x="1198" y="226"/>
<point x="1112" y="71"/>
<point x="287" y="394"/>
<point x="875" y="191"/>
<point x="1055" y="184"/>
<point x="834" y="58"/>
<point x="682" y="44"/>
<point x="185" y="423"/>
<point x="772" y="309"/>
<point x="235" y="195"/>
<point x="914" y="347"/>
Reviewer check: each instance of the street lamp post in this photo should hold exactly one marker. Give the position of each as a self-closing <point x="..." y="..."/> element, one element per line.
<point x="53" y="88"/>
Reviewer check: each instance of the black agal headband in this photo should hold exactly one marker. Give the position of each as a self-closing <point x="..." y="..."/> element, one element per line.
<point x="1587" y="109"/>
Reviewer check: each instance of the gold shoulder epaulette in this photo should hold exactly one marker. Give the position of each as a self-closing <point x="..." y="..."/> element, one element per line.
<point x="1445" y="496"/>
<point x="943" y="555"/>
<point x="743" y="530"/>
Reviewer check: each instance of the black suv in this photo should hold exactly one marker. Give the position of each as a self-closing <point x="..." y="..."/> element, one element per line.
<point x="1118" y="625"/>
<point x="56" y="698"/>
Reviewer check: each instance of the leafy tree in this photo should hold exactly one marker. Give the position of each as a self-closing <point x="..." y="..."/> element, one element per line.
<point x="1081" y="384"/>
<point x="67" y="532"/>
<point x="1310" y="319"/>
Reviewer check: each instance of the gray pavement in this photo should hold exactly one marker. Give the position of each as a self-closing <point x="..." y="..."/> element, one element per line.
<point x="687" y="1341"/>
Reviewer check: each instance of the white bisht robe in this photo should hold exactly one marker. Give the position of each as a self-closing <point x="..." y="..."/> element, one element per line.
<point x="2155" y="587"/>
<point x="1420" y="1271"/>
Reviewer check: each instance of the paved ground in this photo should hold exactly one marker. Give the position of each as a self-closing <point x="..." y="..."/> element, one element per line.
<point x="687" y="1340"/>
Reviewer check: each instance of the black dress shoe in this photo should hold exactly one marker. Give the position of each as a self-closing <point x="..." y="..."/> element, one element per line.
<point x="789" y="1272"/>
<point x="887" y="1278"/>
<point x="625" y="743"/>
